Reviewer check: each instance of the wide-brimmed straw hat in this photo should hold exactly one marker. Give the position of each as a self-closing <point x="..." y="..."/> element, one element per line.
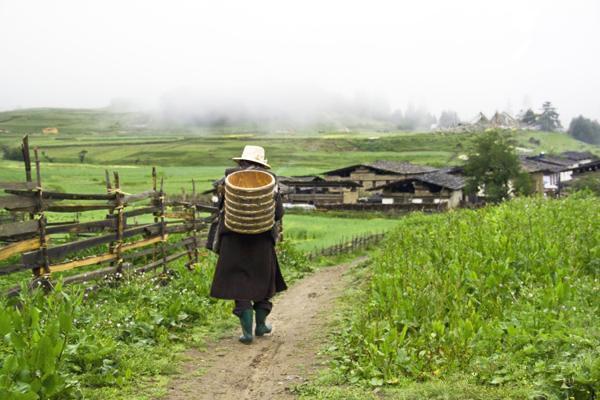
<point x="255" y="154"/>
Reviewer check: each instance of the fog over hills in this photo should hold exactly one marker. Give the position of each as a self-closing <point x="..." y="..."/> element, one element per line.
<point x="272" y="61"/>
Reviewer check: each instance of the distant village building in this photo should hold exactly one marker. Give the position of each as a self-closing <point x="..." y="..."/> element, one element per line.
<point x="566" y="166"/>
<point x="480" y="122"/>
<point x="546" y="177"/>
<point x="317" y="191"/>
<point x="439" y="188"/>
<point x="370" y="175"/>
<point x="579" y="157"/>
<point x="503" y="120"/>
<point x="50" y="131"/>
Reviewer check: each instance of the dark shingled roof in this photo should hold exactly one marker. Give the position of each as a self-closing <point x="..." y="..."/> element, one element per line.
<point x="578" y="155"/>
<point x="395" y="167"/>
<point x="441" y="179"/>
<point x="563" y="162"/>
<point x="305" y="178"/>
<point x="530" y="165"/>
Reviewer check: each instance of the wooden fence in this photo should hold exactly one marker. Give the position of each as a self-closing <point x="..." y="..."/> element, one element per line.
<point x="46" y="247"/>
<point x="396" y="208"/>
<point x="347" y="245"/>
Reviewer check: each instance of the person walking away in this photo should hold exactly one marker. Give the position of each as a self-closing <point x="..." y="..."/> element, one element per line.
<point x="247" y="270"/>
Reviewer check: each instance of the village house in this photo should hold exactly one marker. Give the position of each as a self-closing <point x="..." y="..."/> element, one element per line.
<point x="316" y="190"/>
<point x="546" y="177"/>
<point x="566" y="166"/>
<point x="583" y="161"/>
<point x="431" y="188"/>
<point x="370" y="175"/>
<point x="579" y="157"/>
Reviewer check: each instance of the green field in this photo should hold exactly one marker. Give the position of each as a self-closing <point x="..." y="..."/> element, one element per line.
<point x="309" y="232"/>
<point x="131" y="143"/>
<point x="479" y="304"/>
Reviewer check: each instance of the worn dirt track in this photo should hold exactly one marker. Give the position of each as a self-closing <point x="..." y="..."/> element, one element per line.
<point x="268" y="367"/>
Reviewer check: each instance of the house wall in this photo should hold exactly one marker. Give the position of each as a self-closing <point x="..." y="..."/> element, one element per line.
<point x="350" y="197"/>
<point x="538" y="182"/>
<point x="455" y="198"/>
<point x="451" y="198"/>
<point x="551" y="181"/>
<point x="315" y="198"/>
<point x="368" y="179"/>
<point x="566" y="176"/>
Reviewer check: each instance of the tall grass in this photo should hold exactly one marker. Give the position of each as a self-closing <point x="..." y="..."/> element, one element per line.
<point x="507" y="295"/>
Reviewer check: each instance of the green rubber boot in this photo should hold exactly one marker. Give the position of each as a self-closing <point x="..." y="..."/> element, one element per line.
<point x="246" y="322"/>
<point x="261" y="325"/>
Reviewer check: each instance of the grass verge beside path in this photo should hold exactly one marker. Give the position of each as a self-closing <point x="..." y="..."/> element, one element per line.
<point x="126" y="339"/>
<point x="499" y="303"/>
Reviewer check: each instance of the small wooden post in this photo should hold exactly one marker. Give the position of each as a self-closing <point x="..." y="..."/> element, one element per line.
<point x="192" y="209"/>
<point x="163" y="250"/>
<point x="155" y="203"/>
<point x="26" y="157"/>
<point x="119" y="208"/>
<point x="109" y="189"/>
<point x="42" y="221"/>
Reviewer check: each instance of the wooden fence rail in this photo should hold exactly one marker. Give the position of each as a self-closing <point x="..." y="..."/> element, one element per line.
<point x="174" y="228"/>
<point x="348" y="245"/>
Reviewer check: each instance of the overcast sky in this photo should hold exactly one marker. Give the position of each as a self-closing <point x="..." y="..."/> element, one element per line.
<point x="464" y="55"/>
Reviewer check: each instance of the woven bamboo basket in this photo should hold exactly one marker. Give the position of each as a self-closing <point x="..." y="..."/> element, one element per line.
<point x="249" y="201"/>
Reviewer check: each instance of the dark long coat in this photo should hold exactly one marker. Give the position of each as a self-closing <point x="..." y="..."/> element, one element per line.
<point x="247" y="268"/>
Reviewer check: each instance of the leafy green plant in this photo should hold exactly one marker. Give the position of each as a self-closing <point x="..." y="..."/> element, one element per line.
<point x="293" y="262"/>
<point x="35" y="336"/>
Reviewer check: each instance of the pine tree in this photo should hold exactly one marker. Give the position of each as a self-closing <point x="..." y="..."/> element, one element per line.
<point x="548" y="119"/>
<point x="529" y="118"/>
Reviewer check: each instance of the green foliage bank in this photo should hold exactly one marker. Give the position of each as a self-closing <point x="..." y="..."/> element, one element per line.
<point x="506" y="296"/>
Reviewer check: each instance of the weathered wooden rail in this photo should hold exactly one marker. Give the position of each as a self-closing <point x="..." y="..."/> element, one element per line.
<point x="396" y="208"/>
<point x="347" y="245"/>
<point x="176" y="229"/>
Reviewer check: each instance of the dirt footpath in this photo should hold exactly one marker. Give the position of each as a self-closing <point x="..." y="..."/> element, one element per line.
<point x="268" y="367"/>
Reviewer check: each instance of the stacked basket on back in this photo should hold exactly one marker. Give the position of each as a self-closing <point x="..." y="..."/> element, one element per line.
<point x="249" y="201"/>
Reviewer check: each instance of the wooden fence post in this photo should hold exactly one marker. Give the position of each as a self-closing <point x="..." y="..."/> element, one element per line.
<point x="155" y="203"/>
<point x="163" y="244"/>
<point x="109" y="190"/>
<point x="26" y="157"/>
<point x="42" y="221"/>
<point x="120" y="225"/>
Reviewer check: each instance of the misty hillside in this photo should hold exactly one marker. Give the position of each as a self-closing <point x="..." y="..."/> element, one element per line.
<point x="178" y="119"/>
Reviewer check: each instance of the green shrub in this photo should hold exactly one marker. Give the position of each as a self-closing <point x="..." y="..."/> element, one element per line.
<point x="35" y="338"/>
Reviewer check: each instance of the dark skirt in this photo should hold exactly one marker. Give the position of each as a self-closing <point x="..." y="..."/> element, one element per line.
<point x="247" y="268"/>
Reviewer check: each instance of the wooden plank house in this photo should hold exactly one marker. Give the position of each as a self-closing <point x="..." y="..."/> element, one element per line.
<point x="440" y="188"/>
<point x="564" y="165"/>
<point x="378" y="173"/>
<point x="317" y="191"/>
<point x="546" y="177"/>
